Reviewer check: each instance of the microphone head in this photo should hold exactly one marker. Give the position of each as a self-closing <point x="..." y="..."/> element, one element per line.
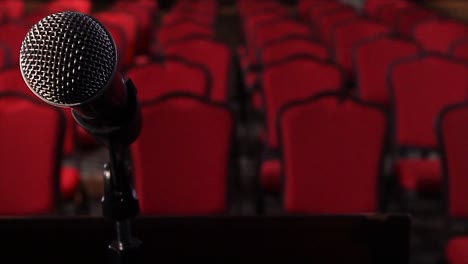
<point x="68" y="59"/>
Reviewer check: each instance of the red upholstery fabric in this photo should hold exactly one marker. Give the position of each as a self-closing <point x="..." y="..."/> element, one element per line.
<point x="257" y="8"/>
<point x="372" y="60"/>
<point x="322" y="8"/>
<point x="428" y="76"/>
<point x="143" y="13"/>
<point x="318" y="135"/>
<point x="69" y="181"/>
<point x="12" y="81"/>
<point x="6" y="58"/>
<point x="207" y="8"/>
<point x="347" y="34"/>
<point x="438" y="34"/>
<point x="453" y="127"/>
<point x="460" y="49"/>
<point x="216" y="57"/>
<point x="155" y="80"/>
<point x="12" y="35"/>
<point x="292" y="80"/>
<point x="306" y="7"/>
<point x="326" y="23"/>
<point x="284" y="49"/>
<point x="409" y="18"/>
<point x="30" y="140"/>
<point x="128" y="24"/>
<point x="419" y="174"/>
<point x="389" y="13"/>
<point x="456" y="250"/>
<point x="278" y="29"/>
<point x="83" y="6"/>
<point x="178" y="31"/>
<point x="273" y="31"/>
<point x="250" y="32"/>
<point x="181" y="171"/>
<point x="372" y="6"/>
<point x="14" y="9"/>
<point x="270" y="174"/>
<point x="199" y="18"/>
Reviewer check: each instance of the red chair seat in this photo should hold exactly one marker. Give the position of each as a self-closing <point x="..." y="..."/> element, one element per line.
<point x="69" y="181"/>
<point x="271" y="175"/>
<point x="420" y="174"/>
<point x="457" y="250"/>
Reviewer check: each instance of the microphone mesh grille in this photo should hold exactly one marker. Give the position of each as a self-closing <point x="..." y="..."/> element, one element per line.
<point x="67" y="58"/>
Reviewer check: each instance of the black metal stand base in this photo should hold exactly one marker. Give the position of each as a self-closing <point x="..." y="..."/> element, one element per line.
<point x="125" y="249"/>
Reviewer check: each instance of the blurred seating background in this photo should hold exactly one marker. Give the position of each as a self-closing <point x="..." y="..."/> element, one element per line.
<point x="261" y="108"/>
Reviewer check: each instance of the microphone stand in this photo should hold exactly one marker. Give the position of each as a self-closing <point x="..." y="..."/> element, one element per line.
<point x="120" y="202"/>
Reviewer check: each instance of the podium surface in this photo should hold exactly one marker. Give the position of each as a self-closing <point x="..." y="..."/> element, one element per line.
<point x="227" y="239"/>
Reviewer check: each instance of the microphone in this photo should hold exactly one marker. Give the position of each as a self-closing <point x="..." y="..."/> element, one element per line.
<point x="69" y="59"/>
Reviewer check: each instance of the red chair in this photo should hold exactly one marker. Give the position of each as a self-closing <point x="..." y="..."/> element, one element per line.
<point x="82" y="6"/>
<point x="12" y="36"/>
<point x="321" y="132"/>
<point x="305" y="7"/>
<point x="325" y="23"/>
<point x="250" y="34"/>
<point x="372" y="59"/>
<point x="278" y="50"/>
<point x="188" y="15"/>
<point x="258" y="8"/>
<point x="459" y="49"/>
<point x="182" y="29"/>
<point x="324" y="7"/>
<point x="408" y="18"/>
<point x="6" y="57"/>
<point x="143" y="12"/>
<point x="348" y="33"/>
<point x="372" y="6"/>
<point x="452" y="128"/>
<point x="293" y="78"/>
<point x="11" y="81"/>
<point x="388" y="13"/>
<point x="273" y="30"/>
<point x="216" y="57"/>
<point x="439" y="34"/>
<point x="418" y="87"/>
<point x="181" y="171"/>
<point x="14" y="9"/>
<point x="129" y="25"/>
<point x="175" y="75"/>
<point x="32" y="139"/>
<point x="287" y="46"/>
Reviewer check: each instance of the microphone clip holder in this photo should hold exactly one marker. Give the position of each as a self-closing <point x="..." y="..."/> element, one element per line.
<point x="119" y="201"/>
